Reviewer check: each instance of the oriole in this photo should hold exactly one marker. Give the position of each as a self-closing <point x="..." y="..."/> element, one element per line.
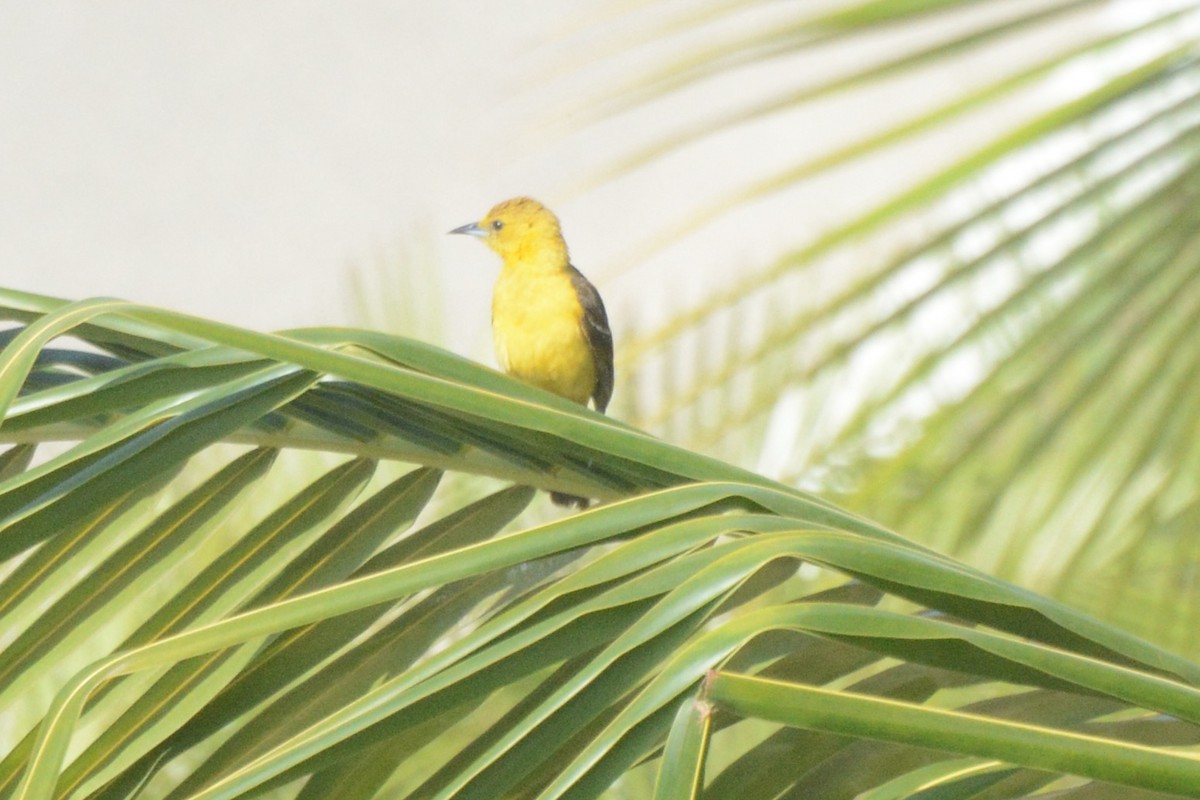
<point x="549" y="327"/>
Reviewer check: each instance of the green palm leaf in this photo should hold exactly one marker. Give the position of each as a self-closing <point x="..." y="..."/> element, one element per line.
<point x="991" y="346"/>
<point x="327" y="637"/>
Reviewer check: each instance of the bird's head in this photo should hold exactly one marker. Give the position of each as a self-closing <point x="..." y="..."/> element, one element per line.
<point x="518" y="229"/>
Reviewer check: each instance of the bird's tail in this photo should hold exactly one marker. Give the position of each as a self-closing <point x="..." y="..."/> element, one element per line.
<point x="560" y="499"/>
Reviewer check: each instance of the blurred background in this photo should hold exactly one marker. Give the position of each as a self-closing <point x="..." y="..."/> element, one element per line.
<point x="934" y="259"/>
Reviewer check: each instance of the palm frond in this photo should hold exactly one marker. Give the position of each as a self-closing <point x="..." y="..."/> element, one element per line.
<point x="987" y="340"/>
<point x="343" y="643"/>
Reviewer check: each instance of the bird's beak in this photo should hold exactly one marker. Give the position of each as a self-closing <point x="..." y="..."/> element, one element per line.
<point x="471" y="229"/>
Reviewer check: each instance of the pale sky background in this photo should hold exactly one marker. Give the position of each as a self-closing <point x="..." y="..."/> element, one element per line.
<point x="234" y="158"/>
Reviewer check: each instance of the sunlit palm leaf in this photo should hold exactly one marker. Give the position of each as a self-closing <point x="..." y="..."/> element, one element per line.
<point x="994" y="346"/>
<point x="334" y="641"/>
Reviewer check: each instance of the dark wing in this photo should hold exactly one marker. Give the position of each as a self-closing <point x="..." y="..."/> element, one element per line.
<point x="599" y="337"/>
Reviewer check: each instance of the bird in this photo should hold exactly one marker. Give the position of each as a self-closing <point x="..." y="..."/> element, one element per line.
<point x="549" y="326"/>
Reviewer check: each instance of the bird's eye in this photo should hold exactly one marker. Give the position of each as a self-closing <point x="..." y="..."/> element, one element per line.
<point x="497" y="224"/>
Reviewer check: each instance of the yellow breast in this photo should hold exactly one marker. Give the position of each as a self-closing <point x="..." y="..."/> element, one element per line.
<point x="538" y="333"/>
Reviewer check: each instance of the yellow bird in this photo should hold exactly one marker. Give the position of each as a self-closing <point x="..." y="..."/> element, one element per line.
<point x="548" y="322"/>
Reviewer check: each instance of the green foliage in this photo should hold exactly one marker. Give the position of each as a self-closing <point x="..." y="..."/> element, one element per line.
<point x="343" y="643"/>
<point x="997" y="354"/>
